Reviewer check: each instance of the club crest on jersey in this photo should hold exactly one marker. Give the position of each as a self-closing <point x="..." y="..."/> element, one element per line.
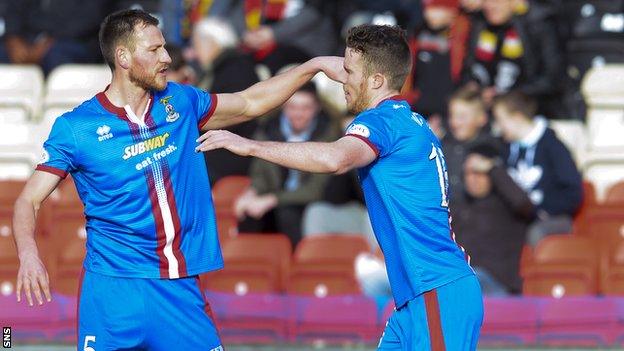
<point x="104" y="133"/>
<point x="172" y="115"/>
<point x="359" y="129"/>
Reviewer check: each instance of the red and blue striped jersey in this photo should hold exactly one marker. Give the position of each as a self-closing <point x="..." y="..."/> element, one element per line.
<point x="405" y="190"/>
<point x="146" y="194"/>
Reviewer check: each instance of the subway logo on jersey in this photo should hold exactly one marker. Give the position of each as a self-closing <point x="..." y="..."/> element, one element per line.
<point x="145" y="146"/>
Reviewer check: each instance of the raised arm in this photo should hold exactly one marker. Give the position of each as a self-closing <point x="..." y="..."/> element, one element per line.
<point x="32" y="275"/>
<point x="264" y="96"/>
<point x="336" y="157"/>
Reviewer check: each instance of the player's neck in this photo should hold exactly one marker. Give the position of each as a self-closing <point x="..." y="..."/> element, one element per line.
<point x="381" y="96"/>
<point x="122" y="92"/>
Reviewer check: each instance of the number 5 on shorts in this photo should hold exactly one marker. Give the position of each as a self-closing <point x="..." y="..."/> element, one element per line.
<point x="86" y="343"/>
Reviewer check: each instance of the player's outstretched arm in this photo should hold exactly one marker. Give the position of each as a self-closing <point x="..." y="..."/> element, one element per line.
<point x="32" y="275"/>
<point x="264" y="96"/>
<point x="336" y="157"/>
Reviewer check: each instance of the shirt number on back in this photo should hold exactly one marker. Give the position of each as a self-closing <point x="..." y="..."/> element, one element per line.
<point x="436" y="154"/>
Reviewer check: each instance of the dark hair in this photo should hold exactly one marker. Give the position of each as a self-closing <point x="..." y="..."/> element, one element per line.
<point x="177" y="57"/>
<point x="517" y="102"/>
<point x="309" y="88"/>
<point x="470" y="95"/>
<point x="486" y="150"/>
<point x="118" y="27"/>
<point x="384" y="50"/>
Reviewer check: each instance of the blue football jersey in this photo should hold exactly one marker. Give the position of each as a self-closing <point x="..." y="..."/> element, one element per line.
<point x="145" y="190"/>
<point x="406" y="190"/>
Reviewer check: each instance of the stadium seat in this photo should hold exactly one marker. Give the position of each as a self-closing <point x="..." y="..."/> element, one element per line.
<point x="71" y="84"/>
<point x="253" y="318"/>
<point x="589" y="202"/>
<point x="322" y="283"/>
<point x="330" y="251"/>
<point x="574" y="137"/>
<point x="227" y="226"/>
<point x="254" y="263"/>
<point x="578" y="322"/>
<point x="21" y="87"/>
<point x="604" y="170"/>
<point x="563" y="265"/>
<point x="612" y="268"/>
<point x="336" y="319"/>
<point x="605" y="102"/>
<point x="615" y="194"/>
<point x="227" y="189"/>
<point x="67" y="240"/>
<point x="510" y="321"/>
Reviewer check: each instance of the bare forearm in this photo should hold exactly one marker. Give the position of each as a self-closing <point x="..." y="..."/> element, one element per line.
<point x="309" y="157"/>
<point x="24" y="218"/>
<point x="264" y="96"/>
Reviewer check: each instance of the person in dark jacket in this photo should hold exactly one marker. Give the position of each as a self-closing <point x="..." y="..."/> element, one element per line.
<point x="467" y="121"/>
<point x="438" y="48"/>
<point x="222" y="68"/>
<point x="54" y="32"/>
<point x="491" y="221"/>
<point x="278" y="196"/>
<point x="540" y="164"/>
<point x="509" y="51"/>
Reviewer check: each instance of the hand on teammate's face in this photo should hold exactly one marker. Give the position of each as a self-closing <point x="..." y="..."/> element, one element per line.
<point x="32" y="277"/>
<point x="333" y="67"/>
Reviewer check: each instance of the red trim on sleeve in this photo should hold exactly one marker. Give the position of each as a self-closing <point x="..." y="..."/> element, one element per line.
<point x="213" y="106"/>
<point x="58" y="172"/>
<point x="368" y="142"/>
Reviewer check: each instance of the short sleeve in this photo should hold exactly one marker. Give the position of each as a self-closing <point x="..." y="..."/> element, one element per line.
<point x="59" y="150"/>
<point x="203" y="103"/>
<point x="371" y="129"/>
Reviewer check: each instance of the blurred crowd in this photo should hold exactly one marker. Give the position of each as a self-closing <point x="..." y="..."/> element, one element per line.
<point x="487" y="75"/>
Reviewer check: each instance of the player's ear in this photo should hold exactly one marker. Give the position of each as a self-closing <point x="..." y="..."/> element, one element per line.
<point x="377" y="80"/>
<point x="123" y="56"/>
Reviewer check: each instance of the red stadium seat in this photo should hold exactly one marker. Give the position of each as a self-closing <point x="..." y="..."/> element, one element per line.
<point x="563" y="265"/>
<point x="67" y="243"/>
<point x="589" y="202"/>
<point x="336" y="320"/>
<point x="323" y="283"/>
<point x="253" y="263"/>
<point x="615" y="194"/>
<point x="612" y="271"/>
<point x="227" y="226"/>
<point x="9" y="191"/>
<point x="227" y="189"/>
<point x="331" y="252"/>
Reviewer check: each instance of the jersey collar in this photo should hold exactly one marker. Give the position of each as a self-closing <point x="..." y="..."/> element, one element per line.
<point x="121" y="111"/>
<point x="397" y="98"/>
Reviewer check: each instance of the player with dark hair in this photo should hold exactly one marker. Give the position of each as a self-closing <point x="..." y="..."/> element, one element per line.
<point x="150" y="218"/>
<point x="403" y="176"/>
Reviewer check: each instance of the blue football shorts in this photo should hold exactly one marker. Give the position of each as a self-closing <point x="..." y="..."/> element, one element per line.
<point x="117" y="313"/>
<point x="444" y="319"/>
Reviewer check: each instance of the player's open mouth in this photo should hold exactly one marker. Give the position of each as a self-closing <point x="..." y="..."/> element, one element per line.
<point x="163" y="71"/>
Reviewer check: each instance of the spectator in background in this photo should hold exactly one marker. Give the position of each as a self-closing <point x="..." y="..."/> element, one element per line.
<point x="282" y="32"/>
<point x="467" y="122"/>
<point x="491" y="222"/>
<point x="471" y="7"/>
<point x="540" y="164"/>
<point x="438" y="50"/>
<point x="223" y="68"/>
<point x="508" y="51"/>
<point x="179" y="71"/>
<point x="341" y="208"/>
<point x="54" y="32"/>
<point x="277" y="197"/>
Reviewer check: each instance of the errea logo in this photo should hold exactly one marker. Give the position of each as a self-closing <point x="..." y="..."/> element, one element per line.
<point x="104" y="133"/>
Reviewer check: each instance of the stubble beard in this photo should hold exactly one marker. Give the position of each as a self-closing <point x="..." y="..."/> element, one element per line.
<point x="360" y="103"/>
<point x="146" y="81"/>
